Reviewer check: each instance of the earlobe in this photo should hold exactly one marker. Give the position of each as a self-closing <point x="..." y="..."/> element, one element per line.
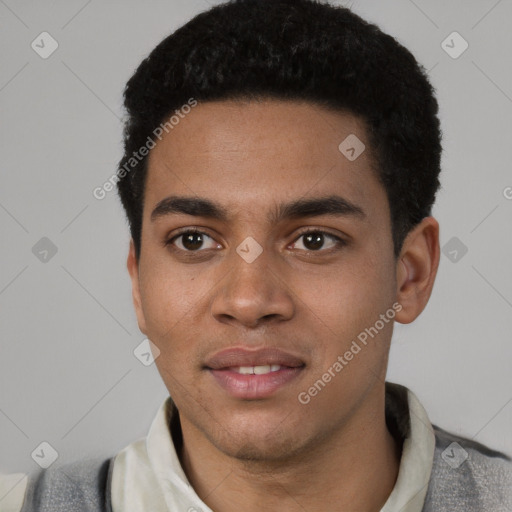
<point x="133" y="269"/>
<point x="417" y="269"/>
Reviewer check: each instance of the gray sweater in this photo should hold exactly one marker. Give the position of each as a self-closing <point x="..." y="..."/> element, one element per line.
<point x="483" y="483"/>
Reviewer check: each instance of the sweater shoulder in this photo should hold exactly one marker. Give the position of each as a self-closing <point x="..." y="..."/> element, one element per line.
<point x="79" y="486"/>
<point x="468" y="476"/>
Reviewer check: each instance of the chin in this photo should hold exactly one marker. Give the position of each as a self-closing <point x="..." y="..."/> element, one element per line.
<point x="262" y="441"/>
<point x="261" y="450"/>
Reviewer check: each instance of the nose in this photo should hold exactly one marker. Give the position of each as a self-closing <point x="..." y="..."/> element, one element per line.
<point x="252" y="293"/>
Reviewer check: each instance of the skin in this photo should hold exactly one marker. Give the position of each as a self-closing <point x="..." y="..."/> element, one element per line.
<point x="276" y="453"/>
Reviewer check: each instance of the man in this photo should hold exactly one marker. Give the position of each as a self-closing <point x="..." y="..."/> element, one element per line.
<point x="281" y="163"/>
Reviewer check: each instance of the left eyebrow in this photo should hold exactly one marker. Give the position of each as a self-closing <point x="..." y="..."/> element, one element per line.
<point x="332" y="205"/>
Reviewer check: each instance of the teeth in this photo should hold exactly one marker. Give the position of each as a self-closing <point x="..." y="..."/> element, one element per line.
<point x="257" y="370"/>
<point x="261" y="370"/>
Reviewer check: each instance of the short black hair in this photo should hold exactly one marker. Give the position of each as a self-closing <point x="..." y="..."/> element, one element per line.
<point x="303" y="50"/>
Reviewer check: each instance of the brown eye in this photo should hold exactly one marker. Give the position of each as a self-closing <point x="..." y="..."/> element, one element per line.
<point x="191" y="241"/>
<point x="315" y="240"/>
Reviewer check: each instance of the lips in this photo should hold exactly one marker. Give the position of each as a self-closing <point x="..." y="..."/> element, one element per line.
<point x="238" y="357"/>
<point x="253" y="375"/>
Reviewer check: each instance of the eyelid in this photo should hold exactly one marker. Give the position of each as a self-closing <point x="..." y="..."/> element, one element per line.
<point x="305" y="231"/>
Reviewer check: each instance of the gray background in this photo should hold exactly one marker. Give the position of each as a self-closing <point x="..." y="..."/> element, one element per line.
<point x="68" y="375"/>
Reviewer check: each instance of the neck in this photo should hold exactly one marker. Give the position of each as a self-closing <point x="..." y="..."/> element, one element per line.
<point x="356" y="468"/>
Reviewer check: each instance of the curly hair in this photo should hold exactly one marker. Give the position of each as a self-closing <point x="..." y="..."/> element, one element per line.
<point x="294" y="50"/>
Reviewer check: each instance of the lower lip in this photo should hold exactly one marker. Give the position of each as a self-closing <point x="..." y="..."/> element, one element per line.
<point x="254" y="387"/>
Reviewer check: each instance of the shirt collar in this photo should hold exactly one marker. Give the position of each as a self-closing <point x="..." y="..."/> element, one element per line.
<point x="404" y="410"/>
<point x="148" y="475"/>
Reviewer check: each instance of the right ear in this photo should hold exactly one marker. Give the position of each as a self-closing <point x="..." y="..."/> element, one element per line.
<point x="133" y="268"/>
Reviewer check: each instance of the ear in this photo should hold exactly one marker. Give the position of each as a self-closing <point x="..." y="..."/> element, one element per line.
<point x="417" y="269"/>
<point x="133" y="269"/>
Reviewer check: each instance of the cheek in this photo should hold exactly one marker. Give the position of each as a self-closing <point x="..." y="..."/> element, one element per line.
<point x="169" y="326"/>
<point x="175" y="304"/>
<point x="169" y="292"/>
<point x="350" y="305"/>
<point x="350" y="294"/>
<point x="165" y="308"/>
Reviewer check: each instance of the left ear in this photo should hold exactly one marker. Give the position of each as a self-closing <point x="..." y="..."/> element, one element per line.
<point x="417" y="269"/>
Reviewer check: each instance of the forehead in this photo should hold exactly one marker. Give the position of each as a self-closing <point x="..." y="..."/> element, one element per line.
<point x="262" y="153"/>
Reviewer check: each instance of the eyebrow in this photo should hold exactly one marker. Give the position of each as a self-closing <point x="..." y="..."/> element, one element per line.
<point x="333" y="205"/>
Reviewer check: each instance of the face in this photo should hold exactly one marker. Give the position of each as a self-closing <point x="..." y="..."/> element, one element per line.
<point x="253" y="286"/>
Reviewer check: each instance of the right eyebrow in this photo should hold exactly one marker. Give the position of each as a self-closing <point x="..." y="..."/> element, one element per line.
<point x="198" y="207"/>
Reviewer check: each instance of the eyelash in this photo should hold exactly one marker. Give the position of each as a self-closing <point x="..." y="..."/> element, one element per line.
<point x="339" y="241"/>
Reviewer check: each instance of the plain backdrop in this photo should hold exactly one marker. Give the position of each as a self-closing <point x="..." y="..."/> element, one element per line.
<point x="68" y="373"/>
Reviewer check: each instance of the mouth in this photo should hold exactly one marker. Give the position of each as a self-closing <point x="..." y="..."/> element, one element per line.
<point x="256" y="374"/>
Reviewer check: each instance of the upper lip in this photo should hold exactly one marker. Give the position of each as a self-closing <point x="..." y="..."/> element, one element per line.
<point x="235" y="357"/>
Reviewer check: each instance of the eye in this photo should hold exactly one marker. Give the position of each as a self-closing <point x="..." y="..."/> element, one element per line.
<point x="314" y="240"/>
<point x="191" y="240"/>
